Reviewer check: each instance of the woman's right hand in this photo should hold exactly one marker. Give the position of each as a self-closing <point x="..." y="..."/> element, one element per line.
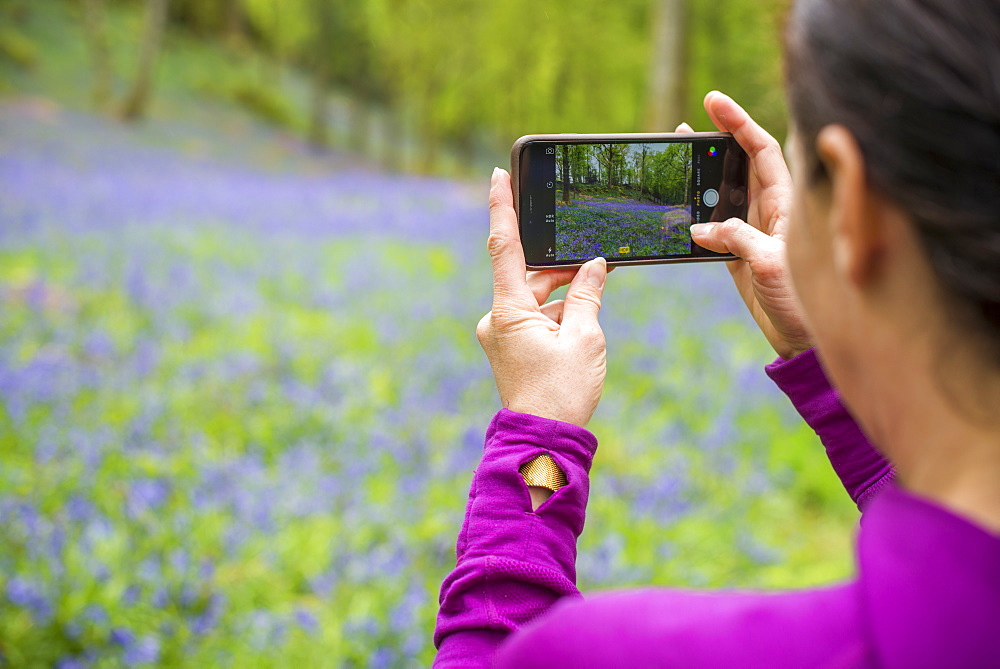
<point x="761" y="273"/>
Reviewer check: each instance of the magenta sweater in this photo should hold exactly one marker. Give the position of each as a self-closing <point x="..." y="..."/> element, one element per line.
<point x="927" y="591"/>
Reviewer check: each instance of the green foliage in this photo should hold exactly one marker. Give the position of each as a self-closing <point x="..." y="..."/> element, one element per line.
<point x="457" y="80"/>
<point x="17" y="48"/>
<point x="465" y="68"/>
<point x="285" y="26"/>
<point x="262" y="101"/>
<point x="657" y="172"/>
<point x="735" y="47"/>
<point x="200" y="16"/>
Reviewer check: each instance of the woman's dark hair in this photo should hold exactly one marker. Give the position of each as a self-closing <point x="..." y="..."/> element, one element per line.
<point x="917" y="82"/>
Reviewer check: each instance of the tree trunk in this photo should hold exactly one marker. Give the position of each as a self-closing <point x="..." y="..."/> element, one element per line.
<point x="668" y="75"/>
<point x="359" y="125"/>
<point x="317" y="133"/>
<point x="318" y="136"/>
<point x="272" y="67"/>
<point x="97" y="39"/>
<point x="392" y="140"/>
<point x="642" y="172"/>
<point x="233" y="34"/>
<point x="137" y="101"/>
<point x="565" y="175"/>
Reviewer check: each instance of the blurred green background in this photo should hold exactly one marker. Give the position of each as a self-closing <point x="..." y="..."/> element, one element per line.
<point x="242" y="256"/>
<point x="432" y="86"/>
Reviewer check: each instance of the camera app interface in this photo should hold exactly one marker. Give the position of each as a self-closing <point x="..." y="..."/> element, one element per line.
<point x="624" y="200"/>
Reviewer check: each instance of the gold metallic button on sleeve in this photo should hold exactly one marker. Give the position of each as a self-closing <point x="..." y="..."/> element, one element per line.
<point x="542" y="471"/>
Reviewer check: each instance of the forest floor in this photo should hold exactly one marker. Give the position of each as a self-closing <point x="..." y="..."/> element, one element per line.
<point x="619" y="227"/>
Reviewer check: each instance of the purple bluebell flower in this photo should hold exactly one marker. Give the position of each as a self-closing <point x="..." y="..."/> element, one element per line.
<point x="161" y="597"/>
<point x="307" y="620"/>
<point x="146" y="495"/>
<point x="121" y="636"/>
<point x="131" y="595"/>
<point x="144" y="650"/>
<point x="31" y="597"/>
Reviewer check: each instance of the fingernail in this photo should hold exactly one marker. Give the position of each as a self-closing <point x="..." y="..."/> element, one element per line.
<point x="496" y="175"/>
<point x="597" y="272"/>
<point x="701" y="228"/>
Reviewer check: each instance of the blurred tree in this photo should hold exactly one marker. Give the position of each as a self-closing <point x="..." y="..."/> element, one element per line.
<point x="735" y="46"/>
<point x="234" y="25"/>
<point x="212" y="19"/>
<point x="355" y="69"/>
<point x="95" y="26"/>
<point x="668" y="67"/>
<point x="462" y="78"/>
<point x="320" y="80"/>
<point x="137" y="100"/>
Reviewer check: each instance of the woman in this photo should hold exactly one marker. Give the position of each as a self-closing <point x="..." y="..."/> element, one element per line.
<point x="882" y="261"/>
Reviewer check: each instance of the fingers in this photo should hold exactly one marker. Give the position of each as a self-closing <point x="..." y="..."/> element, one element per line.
<point x="554" y="310"/>
<point x="733" y="236"/>
<point x="684" y="127"/>
<point x="510" y="287"/>
<point x="543" y="282"/>
<point x="583" y="299"/>
<point x="763" y="149"/>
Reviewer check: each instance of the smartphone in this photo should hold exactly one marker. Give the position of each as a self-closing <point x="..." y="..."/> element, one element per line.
<point x="630" y="198"/>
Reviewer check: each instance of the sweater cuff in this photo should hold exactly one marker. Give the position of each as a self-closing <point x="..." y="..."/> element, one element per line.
<point x="522" y="431"/>
<point x="861" y="468"/>
<point x="514" y="562"/>
<point x="799" y="377"/>
<point x="499" y="491"/>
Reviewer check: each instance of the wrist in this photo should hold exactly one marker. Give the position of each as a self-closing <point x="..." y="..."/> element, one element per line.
<point x="790" y="353"/>
<point x="550" y="410"/>
<point x="538" y="496"/>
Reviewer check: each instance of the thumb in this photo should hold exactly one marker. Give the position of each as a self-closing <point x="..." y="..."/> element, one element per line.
<point x="732" y="236"/>
<point x="583" y="298"/>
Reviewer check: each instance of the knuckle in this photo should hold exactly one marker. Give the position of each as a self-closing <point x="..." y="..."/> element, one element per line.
<point x="769" y="269"/>
<point x="586" y="295"/>
<point x="772" y="145"/>
<point x="484" y="329"/>
<point x="591" y="336"/>
<point x="497" y="243"/>
<point x="730" y="226"/>
<point x="734" y="233"/>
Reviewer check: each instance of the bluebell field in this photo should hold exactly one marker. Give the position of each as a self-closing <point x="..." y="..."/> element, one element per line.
<point x="241" y="400"/>
<point x="591" y="227"/>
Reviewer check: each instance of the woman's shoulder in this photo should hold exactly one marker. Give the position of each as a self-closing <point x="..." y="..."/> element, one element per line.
<point x="930" y="581"/>
<point x="927" y="593"/>
<point x="672" y="627"/>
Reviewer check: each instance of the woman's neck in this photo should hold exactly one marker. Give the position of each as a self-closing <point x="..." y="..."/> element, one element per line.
<point x="929" y="409"/>
<point x="956" y="467"/>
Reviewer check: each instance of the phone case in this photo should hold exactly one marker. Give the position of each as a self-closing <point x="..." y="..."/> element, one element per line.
<point x="515" y="179"/>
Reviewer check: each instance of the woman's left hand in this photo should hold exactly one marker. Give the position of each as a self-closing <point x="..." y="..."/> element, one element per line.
<point x="548" y="359"/>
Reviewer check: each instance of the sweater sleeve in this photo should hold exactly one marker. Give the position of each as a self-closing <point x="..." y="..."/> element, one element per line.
<point x="513" y="563"/>
<point x="861" y="468"/>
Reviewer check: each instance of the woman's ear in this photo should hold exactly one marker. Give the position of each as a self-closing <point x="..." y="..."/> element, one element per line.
<point x="857" y="230"/>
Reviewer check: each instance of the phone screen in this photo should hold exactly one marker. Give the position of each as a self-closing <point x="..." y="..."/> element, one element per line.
<point x="628" y="201"/>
